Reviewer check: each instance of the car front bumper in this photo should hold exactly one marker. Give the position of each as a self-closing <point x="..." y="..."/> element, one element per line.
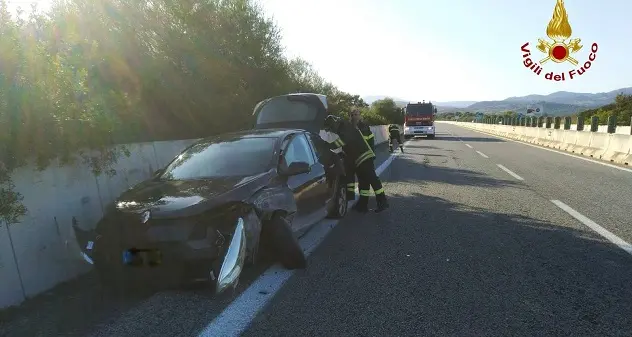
<point x="419" y="130"/>
<point x="218" y="257"/>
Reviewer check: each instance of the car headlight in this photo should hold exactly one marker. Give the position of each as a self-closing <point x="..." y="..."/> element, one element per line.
<point x="234" y="260"/>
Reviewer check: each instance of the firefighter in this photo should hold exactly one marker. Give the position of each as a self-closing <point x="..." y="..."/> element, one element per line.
<point x="394" y="134"/>
<point x="358" y="157"/>
<point x="356" y="119"/>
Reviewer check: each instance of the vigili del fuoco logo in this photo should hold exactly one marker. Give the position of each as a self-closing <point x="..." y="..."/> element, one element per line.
<point x="559" y="49"/>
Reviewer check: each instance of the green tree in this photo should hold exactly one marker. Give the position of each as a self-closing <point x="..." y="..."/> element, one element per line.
<point x="388" y="109"/>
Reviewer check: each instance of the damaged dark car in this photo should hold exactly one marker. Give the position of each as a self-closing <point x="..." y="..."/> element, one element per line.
<point x="211" y="210"/>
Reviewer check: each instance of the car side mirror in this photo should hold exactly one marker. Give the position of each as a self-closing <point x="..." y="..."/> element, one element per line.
<point x="297" y="168"/>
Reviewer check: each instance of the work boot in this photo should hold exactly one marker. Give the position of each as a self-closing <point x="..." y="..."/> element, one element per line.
<point x="362" y="205"/>
<point x="350" y="196"/>
<point x="382" y="203"/>
<point x="401" y="148"/>
<point x="390" y="149"/>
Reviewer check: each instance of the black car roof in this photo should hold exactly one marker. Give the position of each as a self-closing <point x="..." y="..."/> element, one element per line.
<point x="254" y="133"/>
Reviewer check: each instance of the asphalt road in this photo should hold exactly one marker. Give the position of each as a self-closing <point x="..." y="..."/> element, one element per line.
<point x="470" y="250"/>
<point x="81" y="308"/>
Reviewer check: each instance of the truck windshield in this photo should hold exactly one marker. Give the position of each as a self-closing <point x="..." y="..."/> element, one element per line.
<point x="419" y="109"/>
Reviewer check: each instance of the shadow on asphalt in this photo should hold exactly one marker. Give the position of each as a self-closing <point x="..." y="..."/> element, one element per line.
<point x="429" y="266"/>
<point x="81" y="306"/>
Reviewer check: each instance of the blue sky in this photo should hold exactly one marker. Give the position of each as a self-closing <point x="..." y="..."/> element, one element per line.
<point x="449" y="50"/>
<point x="452" y="49"/>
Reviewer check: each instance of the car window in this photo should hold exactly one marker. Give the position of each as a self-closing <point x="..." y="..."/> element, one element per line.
<point x="313" y="146"/>
<point x="228" y="158"/>
<point x="319" y="145"/>
<point x="299" y="151"/>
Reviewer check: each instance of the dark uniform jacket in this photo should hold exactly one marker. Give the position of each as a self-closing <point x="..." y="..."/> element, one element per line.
<point x="393" y="130"/>
<point x="356" y="148"/>
<point x="367" y="134"/>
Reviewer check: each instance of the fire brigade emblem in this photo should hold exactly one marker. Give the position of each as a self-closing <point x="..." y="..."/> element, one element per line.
<point x="561" y="46"/>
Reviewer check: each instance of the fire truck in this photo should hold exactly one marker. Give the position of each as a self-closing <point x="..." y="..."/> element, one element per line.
<point x="419" y="119"/>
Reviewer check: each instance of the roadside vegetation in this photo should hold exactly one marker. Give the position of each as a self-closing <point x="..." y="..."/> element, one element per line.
<point x="90" y="74"/>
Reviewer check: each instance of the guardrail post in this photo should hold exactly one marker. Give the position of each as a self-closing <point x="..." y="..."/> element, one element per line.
<point x="612" y="124"/>
<point x="580" y="124"/>
<point x="567" y="123"/>
<point x="594" y="124"/>
<point x="523" y="121"/>
<point x="540" y="121"/>
<point x="548" y="122"/>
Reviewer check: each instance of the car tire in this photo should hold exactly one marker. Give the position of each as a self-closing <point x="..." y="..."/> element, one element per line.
<point x="407" y="137"/>
<point x="280" y="241"/>
<point x="431" y="136"/>
<point x="338" y="205"/>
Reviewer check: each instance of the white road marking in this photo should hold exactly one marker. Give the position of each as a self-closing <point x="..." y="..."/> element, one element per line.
<point x="482" y="154"/>
<point x="238" y="316"/>
<point x="594" y="226"/>
<point x="558" y="152"/>
<point x="510" y="172"/>
<point x="468" y="145"/>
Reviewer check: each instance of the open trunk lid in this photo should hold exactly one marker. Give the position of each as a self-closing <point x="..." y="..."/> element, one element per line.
<point x="304" y="111"/>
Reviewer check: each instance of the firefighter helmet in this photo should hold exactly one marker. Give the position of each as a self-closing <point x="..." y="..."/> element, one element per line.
<point x="331" y="123"/>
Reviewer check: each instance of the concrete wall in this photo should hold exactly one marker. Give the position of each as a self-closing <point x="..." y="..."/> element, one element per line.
<point x="621" y="130"/>
<point x="611" y="147"/>
<point x="41" y="251"/>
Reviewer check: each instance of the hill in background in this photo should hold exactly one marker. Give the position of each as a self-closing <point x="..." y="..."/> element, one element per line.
<point x="555" y="104"/>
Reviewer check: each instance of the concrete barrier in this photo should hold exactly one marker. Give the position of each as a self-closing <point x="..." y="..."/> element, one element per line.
<point x="41" y="251"/>
<point x="611" y="147"/>
<point x="619" y="149"/>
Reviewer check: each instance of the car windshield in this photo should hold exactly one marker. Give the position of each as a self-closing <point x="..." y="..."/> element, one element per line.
<point x="286" y="109"/>
<point x="237" y="157"/>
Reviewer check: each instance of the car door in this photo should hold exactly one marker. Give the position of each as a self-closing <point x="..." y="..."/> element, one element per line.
<point x="306" y="186"/>
<point x="322" y="156"/>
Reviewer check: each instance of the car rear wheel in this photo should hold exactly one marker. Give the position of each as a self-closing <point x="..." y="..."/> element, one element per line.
<point x="337" y="207"/>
